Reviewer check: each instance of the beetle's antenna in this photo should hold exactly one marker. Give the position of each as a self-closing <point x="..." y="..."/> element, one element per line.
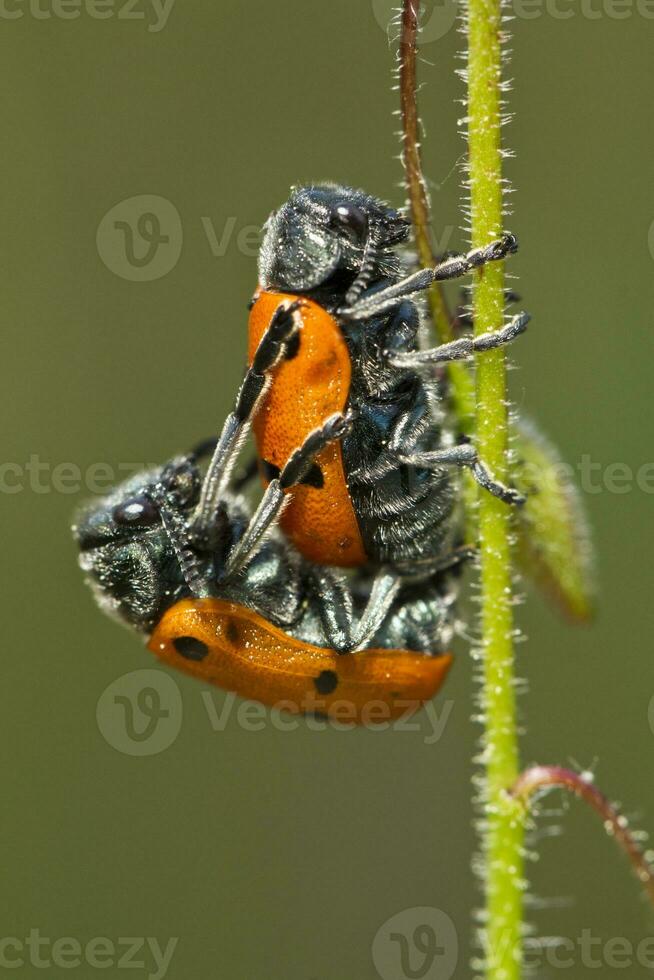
<point x="179" y="535"/>
<point x="367" y="268"/>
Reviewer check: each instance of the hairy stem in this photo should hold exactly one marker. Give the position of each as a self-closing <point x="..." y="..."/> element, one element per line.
<point x="503" y="823"/>
<point x="415" y="179"/>
<point x="482" y="410"/>
<point x="462" y="385"/>
<point x="506" y="795"/>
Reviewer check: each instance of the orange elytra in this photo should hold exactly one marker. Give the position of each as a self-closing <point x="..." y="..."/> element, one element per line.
<point x="306" y="390"/>
<point x="233" y="647"/>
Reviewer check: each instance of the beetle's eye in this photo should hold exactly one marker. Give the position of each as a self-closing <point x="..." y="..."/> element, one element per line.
<point x="352" y="220"/>
<point x="137" y="512"/>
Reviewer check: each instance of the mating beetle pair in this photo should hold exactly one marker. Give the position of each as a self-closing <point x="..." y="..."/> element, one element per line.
<point x="349" y="419"/>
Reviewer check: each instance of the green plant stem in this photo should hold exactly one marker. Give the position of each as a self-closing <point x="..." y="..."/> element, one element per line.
<point x="502" y="843"/>
<point x="506" y="795"/>
<point x="503" y="834"/>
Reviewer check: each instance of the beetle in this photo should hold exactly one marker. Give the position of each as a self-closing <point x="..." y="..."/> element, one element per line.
<point x="262" y="621"/>
<point x="334" y="327"/>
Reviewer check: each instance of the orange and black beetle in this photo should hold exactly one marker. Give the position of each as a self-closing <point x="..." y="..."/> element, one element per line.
<point x="333" y="330"/>
<point x="261" y="622"/>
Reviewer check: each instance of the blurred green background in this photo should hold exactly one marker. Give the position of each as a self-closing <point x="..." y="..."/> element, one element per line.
<point x="267" y="853"/>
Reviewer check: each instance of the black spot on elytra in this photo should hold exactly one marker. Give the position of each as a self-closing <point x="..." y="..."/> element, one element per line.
<point x="231" y="632"/>
<point x="314" y="477"/>
<point x="190" y="647"/>
<point x="292" y="347"/>
<point x="269" y="470"/>
<point x="325" y="682"/>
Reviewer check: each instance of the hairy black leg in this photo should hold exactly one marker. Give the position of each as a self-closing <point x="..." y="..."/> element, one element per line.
<point x="272" y="348"/>
<point x="202" y="449"/>
<point x="335" y="606"/>
<point x="275" y="496"/>
<point x="342" y="631"/>
<point x="409" y="429"/>
<point x="449" y="561"/>
<point x="244" y="475"/>
<point x="241" y="478"/>
<point x="372" y="303"/>
<point x="300" y="461"/>
<point x="464" y="347"/>
<point x="466" y="455"/>
<point x="385" y="587"/>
